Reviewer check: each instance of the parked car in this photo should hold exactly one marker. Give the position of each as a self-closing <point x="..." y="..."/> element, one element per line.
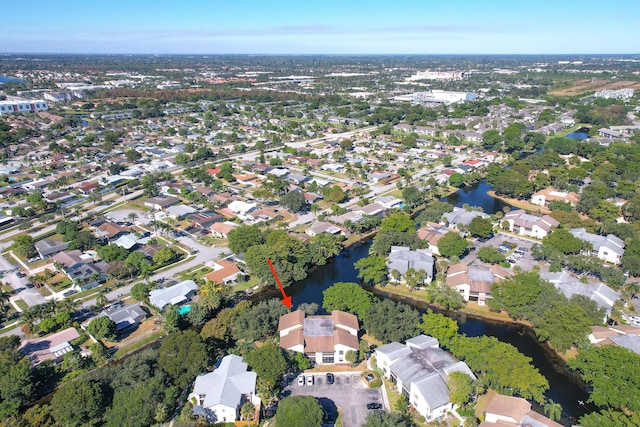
<point x="369" y="377"/>
<point x="330" y="378"/>
<point x="29" y="285"/>
<point x="20" y="274"/>
<point x="301" y="380"/>
<point x="310" y="380"/>
<point x="70" y="292"/>
<point x="374" y="405"/>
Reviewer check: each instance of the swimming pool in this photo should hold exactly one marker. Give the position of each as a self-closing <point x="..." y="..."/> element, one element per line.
<point x="184" y="310"/>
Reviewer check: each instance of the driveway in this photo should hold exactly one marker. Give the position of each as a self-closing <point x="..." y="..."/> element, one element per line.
<point x="347" y="393"/>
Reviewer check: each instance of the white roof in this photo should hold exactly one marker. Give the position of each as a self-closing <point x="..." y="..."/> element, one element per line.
<point x="172" y="295"/>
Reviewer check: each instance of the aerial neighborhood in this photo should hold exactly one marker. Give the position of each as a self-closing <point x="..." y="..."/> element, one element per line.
<point x="376" y="241"/>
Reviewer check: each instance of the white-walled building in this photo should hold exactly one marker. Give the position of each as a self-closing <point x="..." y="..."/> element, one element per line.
<point x="220" y="394"/>
<point x="23" y="106"/>
<point x="420" y="369"/>
<point x="324" y="339"/>
<point x="608" y="248"/>
<point x="526" y="224"/>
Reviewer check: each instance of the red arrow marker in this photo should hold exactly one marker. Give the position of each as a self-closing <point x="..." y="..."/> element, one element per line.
<point x="286" y="300"/>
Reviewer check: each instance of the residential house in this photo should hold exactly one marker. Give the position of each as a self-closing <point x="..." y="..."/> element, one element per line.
<point x="608" y="248"/>
<point x="125" y="316"/>
<point x="505" y="411"/>
<point x="242" y="209"/>
<point x="224" y="272"/>
<point x="627" y="336"/>
<point x="522" y="223"/>
<point x="179" y="212"/>
<point x="461" y="217"/>
<point x="47" y="247"/>
<point x="402" y="258"/>
<point x="219" y="395"/>
<point x="420" y="370"/>
<point x="603" y="295"/>
<point x="52" y="347"/>
<point x="432" y="233"/>
<point x="221" y="229"/>
<point x="390" y="202"/>
<point x="204" y="221"/>
<point x="87" y="187"/>
<point x="110" y="231"/>
<point x="324" y="339"/>
<point x="173" y="295"/>
<point x="474" y="283"/>
<point x="325" y="227"/>
<point x="81" y="268"/>
<point x="160" y="203"/>
<point x="543" y="197"/>
<point x="130" y="241"/>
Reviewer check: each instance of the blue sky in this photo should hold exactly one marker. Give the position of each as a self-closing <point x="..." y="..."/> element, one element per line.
<point x="321" y="26"/>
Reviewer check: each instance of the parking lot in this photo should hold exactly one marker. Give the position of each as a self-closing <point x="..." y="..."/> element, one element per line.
<point x="348" y="392"/>
<point x="523" y="259"/>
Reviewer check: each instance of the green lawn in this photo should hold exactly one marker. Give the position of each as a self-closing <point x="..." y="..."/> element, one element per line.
<point x="20" y="303"/>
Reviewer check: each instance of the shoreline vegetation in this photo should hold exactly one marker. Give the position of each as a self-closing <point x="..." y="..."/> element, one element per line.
<point x="520" y="204"/>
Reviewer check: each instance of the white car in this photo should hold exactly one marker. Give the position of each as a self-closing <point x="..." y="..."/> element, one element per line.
<point x="301" y="380"/>
<point x="310" y="380"/>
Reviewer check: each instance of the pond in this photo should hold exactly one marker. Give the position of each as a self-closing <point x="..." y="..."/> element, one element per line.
<point x="476" y="195"/>
<point x="582" y="133"/>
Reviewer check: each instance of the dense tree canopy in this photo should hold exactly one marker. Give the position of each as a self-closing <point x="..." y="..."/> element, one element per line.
<point x="391" y="321"/>
<point x="102" y="327"/>
<point x="614" y="375"/>
<point x="480" y="227"/>
<point x="372" y="269"/>
<point x="260" y="321"/>
<point x="78" y="403"/>
<point x="349" y="297"/>
<point x="295" y="411"/>
<point x="269" y="363"/>
<point x="398" y="221"/>
<point x="183" y="356"/>
<point x="243" y="237"/>
<point x="452" y="245"/>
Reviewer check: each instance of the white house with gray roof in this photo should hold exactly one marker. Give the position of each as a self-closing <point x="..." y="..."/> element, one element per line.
<point x="608" y="248"/>
<point x="420" y="369"/>
<point x="174" y="295"/>
<point x="220" y="394"/>
<point x="402" y="258"/>
<point x="603" y="295"/>
<point x="125" y="316"/>
<point x="461" y="216"/>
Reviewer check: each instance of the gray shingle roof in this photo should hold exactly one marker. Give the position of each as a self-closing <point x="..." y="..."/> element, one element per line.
<point x="226" y="385"/>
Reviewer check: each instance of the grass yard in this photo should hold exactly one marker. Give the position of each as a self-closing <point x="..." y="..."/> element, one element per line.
<point x="20" y="303"/>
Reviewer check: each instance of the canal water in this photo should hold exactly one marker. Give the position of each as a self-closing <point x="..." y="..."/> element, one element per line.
<point x="476" y="195"/>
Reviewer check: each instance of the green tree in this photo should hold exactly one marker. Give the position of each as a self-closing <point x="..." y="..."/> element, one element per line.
<point x="614" y="376"/>
<point x="372" y="269"/>
<point x="452" y="245"/>
<point x="349" y="297"/>
<point x="387" y="419"/>
<point x="165" y="256"/>
<point x="294" y="201"/>
<point x="248" y="411"/>
<point x="24" y="246"/>
<point x="259" y="321"/>
<point x="456" y="180"/>
<point x="563" y="241"/>
<point x="439" y="326"/>
<point x="244" y="237"/>
<point x="102" y="327"/>
<point x="182" y="355"/>
<point x="480" y="227"/>
<point x="79" y="403"/>
<point x="460" y="388"/>
<point x="333" y="194"/>
<point x="398" y="221"/>
<point x="553" y="410"/>
<point x="391" y="321"/>
<point x="269" y="363"/>
<point x="295" y="411"/>
<point x="490" y="254"/>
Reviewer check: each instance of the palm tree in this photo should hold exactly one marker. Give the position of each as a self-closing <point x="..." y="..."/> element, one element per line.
<point x="68" y="304"/>
<point x="4" y="297"/>
<point x="132" y="217"/>
<point x="553" y="410"/>
<point x="102" y="299"/>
